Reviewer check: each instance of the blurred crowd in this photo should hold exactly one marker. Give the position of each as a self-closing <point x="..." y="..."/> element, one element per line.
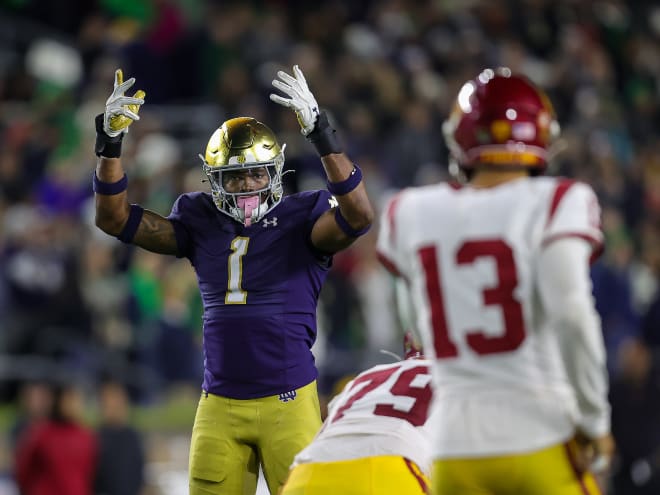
<point x="77" y="303"/>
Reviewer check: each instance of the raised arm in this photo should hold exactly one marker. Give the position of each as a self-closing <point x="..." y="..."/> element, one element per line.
<point x="341" y="226"/>
<point x="114" y="215"/>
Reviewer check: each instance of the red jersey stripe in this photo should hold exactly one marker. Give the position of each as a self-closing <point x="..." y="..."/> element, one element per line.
<point x="562" y="188"/>
<point x="388" y="264"/>
<point x="391" y="209"/>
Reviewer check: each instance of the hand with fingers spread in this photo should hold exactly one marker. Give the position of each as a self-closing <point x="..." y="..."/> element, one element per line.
<point x="300" y="99"/>
<point x="121" y="110"/>
<point x="313" y="122"/>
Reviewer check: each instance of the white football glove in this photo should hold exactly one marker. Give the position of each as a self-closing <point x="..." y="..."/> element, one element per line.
<point x="301" y="99"/>
<point x="120" y="110"/>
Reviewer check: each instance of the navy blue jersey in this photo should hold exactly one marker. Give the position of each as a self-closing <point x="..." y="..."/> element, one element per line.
<point x="260" y="287"/>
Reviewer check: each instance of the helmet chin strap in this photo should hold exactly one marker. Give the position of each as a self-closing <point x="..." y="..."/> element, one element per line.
<point x="248" y="204"/>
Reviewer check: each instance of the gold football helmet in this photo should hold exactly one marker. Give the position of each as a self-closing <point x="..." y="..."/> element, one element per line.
<point x="244" y="143"/>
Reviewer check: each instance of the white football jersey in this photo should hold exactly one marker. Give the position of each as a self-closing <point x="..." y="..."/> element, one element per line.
<point x="469" y="256"/>
<point x="382" y="411"/>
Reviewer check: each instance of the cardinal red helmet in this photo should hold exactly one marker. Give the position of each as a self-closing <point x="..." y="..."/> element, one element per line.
<point x="501" y="119"/>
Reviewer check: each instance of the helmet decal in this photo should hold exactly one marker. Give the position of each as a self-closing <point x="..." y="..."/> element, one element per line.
<point x="500" y="130"/>
<point x="523" y="131"/>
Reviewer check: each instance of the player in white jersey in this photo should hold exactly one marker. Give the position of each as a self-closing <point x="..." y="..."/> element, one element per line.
<point x="498" y="271"/>
<point x="376" y="437"/>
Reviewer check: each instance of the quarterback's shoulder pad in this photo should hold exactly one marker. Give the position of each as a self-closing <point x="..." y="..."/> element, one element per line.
<point x="389" y="230"/>
<point x="573" y="211"/>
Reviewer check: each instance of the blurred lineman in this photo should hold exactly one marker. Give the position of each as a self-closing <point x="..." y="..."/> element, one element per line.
<point x="498" y="271"/>
<point x="260" y="260"/>
<point x="376" y="438"/>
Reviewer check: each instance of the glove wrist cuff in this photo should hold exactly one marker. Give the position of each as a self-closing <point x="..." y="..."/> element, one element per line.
<point x="324" y="137"/>
<point x="106" y="146"/>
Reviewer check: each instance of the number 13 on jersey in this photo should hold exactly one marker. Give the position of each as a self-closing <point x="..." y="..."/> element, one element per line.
<point x="501" y="295"/>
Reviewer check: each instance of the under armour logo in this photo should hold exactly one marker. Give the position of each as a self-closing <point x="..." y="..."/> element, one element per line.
<point x="333" y="201"/>
<point x="270" y="223"/>
<point x="287" y="396"/>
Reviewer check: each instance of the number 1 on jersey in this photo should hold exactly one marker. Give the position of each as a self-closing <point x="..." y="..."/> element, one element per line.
<point x="236" y="295"/>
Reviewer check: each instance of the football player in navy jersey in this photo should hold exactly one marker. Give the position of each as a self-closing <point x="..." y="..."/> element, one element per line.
<point x="260" y="259"/>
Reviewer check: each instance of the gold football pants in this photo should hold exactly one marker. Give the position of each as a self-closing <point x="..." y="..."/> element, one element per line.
<point x="231" y="437"/>
<point x="545" y="472"/>
<point x="378" y="475"/>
